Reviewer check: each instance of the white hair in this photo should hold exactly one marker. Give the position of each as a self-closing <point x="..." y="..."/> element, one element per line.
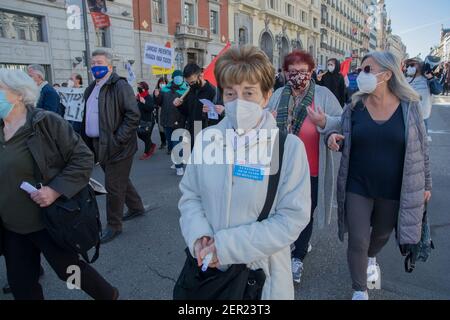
<point x="21" y="84"/>
<point x="37" y="68"/>
<point x="397" y="84"/>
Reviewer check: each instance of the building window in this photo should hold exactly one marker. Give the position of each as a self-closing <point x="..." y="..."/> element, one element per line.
<point x="290" y="10"/>
<point x="102" y="38"/>
<point x="304" y="17"/>
<point x="158" y="11"/>
<point x="189" y="16"/>
<point x="242" y="36"/>
<point x="214" y="22"/>
<point x="271" y="4"/>
<point x="315" y="22"/>
<point x="19" y="26"/>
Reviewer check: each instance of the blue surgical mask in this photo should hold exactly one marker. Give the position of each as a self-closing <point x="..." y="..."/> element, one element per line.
<point x="99" y="72"/>
<point x="178" y="80"/>
<point x="5" y="106"/>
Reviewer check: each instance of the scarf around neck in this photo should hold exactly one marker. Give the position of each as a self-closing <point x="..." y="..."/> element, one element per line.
<point x="299" y="113"/>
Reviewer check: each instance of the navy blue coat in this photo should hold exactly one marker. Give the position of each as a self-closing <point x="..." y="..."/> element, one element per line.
<point x="49" y="100"/>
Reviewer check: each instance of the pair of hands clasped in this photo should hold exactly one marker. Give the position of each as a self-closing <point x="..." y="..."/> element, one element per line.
<point x="202" y="247"/>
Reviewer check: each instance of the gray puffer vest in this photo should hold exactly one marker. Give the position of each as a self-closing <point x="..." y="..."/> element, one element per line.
<point x="416" y="174"/>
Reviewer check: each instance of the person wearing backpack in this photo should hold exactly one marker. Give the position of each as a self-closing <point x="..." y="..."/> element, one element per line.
<point x="384" y="177"/>
<point x="224" y="223"/>
<point x="38" y="142"/>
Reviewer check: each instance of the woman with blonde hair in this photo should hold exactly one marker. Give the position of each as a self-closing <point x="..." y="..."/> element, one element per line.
<point x="384" y="178"/>
<point x="221" y="203"/>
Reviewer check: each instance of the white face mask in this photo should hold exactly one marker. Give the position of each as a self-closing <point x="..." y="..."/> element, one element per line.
<point x="243" y="115"/>
<point x="70" y="84"/>
<point x="411" y="71"/>
<point x="331" y="68"/>
<point x="367" y="82"/>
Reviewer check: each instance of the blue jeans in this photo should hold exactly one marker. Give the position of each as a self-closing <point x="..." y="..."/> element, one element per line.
<point x="171" y="144"/>
<point x="426" y="124"/>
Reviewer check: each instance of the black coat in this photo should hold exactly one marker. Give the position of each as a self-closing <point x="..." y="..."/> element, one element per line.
<point x="118" y="120"/>
<point x="336" y="83"/>
<point x="147" y="108"/>
<point x="192" y="108"/>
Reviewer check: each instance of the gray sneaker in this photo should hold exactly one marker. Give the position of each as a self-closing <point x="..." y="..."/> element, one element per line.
<point x="297" y="269"/>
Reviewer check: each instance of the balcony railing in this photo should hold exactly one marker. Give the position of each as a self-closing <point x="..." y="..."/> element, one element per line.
<point x="183" y="29"/>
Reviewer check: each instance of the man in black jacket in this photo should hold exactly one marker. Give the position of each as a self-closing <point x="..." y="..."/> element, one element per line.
<point x="109" y="128"/>
<point x="191" y="107"/>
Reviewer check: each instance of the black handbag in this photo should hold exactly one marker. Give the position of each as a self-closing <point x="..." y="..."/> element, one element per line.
<point x="238" y="282"/>
<point x="420" y="251"/>
<point x="74" y="224"/>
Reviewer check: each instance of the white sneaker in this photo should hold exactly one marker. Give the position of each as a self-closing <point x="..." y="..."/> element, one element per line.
<point x="173" y="166"/>
<point x="360" y="295"/>
<point x="309" y="247"/>
<point x="180" y="171"/>
<point x="429" y="139"/>
<point x="372" y="271"/>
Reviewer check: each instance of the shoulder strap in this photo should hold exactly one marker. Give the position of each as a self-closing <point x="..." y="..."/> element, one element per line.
<point x="275" y="178"/>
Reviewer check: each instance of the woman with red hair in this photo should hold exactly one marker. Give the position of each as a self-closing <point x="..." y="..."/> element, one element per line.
<point x="308" y="111"/>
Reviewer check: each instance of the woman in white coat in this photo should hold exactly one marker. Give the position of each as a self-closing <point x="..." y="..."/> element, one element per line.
<point x="219" y="207"/>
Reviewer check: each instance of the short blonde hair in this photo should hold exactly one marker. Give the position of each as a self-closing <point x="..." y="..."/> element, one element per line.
<point x="246" y="63"/>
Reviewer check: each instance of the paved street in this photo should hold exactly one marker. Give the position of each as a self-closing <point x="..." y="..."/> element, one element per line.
<point x="146" y="259"/>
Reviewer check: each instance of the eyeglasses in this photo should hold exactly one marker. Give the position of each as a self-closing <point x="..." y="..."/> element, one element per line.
<point x="411" y="65"/>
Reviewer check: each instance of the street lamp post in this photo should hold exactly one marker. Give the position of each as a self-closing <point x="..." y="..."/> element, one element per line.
<point x="86" y="41"/>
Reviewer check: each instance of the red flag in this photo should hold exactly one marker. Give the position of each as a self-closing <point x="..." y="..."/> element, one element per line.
<point x="208" y="73"/>
<point x="345" y="67"/>
<point x="100" y="20"/>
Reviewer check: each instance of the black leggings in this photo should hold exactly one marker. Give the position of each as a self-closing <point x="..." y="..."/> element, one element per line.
<point x="301" y="244"/>
<point x="147" y="138"/>
<point x="361" y="214"/>
<point x="23" y="259"/>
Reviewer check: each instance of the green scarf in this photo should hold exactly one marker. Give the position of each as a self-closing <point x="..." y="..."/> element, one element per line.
<point x="299" y="113"/>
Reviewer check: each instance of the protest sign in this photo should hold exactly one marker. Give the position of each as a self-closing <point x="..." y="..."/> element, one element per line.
<point x="157" y="55"/>
<point x="73" y="100"/>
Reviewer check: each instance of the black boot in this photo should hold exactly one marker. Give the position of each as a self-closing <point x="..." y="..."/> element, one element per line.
<point x="162" y="135"/>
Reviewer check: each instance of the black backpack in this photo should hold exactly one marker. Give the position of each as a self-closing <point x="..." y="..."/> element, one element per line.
<point x="74" y="224"/>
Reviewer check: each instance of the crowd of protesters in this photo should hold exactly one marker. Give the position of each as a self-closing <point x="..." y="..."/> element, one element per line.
<point x="376" y="116"/>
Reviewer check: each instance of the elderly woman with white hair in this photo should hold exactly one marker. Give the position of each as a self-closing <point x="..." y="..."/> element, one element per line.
<point x="384" y="178"/>
<point x="37" y="143"/>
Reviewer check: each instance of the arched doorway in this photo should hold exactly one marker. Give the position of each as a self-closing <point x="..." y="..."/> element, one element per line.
<point x="284" y="49"/>
<point x="267" y="45"/>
